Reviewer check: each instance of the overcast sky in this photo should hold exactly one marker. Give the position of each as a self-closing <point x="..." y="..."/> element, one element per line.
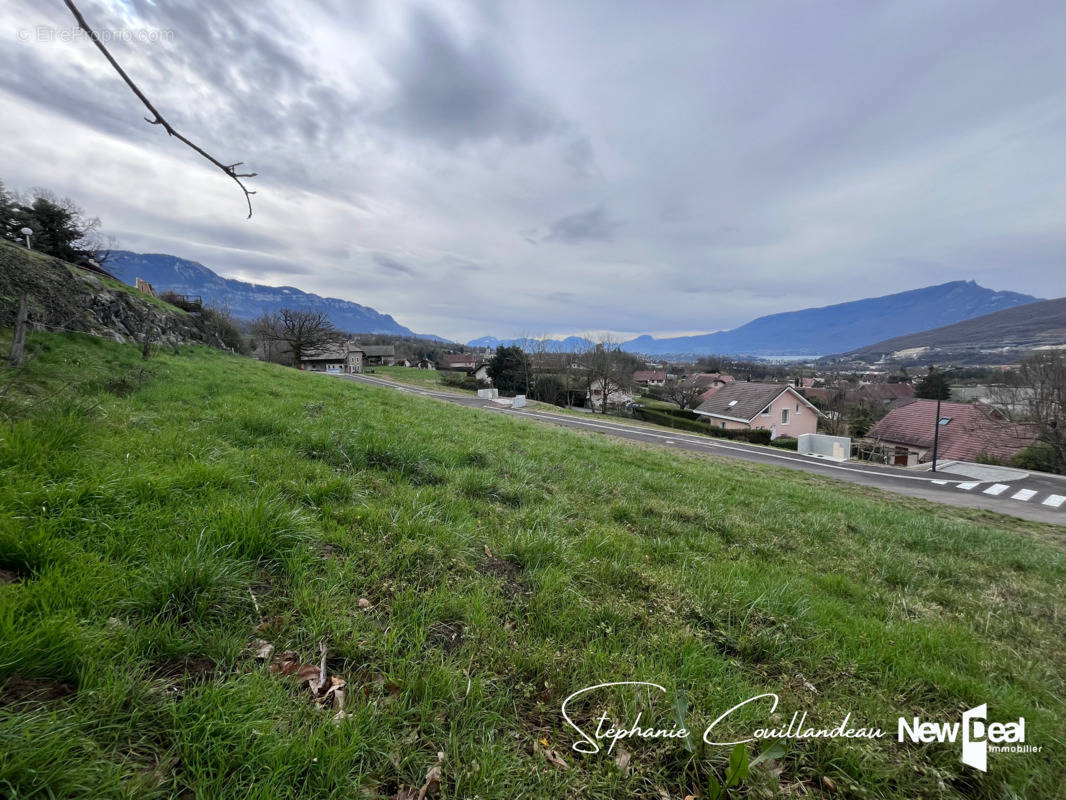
<point x="549" y="167"/>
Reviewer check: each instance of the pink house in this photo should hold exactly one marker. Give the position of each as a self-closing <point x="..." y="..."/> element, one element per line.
<point x="776" y="407"/>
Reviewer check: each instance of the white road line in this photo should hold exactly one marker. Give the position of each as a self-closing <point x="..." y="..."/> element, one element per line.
<point x="940" y="483"/>
<point x="997" y="488"/>
<point x="1054" y="500"/>
<point x="969" y="485"/>
<point x="1023" y="494"/>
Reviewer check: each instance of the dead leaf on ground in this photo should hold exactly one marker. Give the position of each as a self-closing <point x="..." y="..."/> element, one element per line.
<point x="433" y="777"/>
<point x="327" y="691"/>
<point x="550" y="754"/>
<point x="262" y="649"/>
<point x="488" y="553"/>
<point x="286" y="663"/>
<point x="364" y="604"/>
<point x="622" y="759"/>
<point x="271" y="625"/>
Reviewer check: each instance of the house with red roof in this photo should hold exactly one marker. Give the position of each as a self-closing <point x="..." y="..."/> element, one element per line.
<point x="968" y="432"/>
<point x="649" y="377"/>
<point x="708" y="382"/>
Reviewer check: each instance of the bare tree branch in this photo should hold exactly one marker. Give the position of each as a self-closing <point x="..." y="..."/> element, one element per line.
<point x="159" y="119"/>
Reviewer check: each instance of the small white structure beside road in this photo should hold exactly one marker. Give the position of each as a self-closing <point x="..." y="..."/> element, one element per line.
<point x="518" y="401"/>
<point x="819" y="445"/>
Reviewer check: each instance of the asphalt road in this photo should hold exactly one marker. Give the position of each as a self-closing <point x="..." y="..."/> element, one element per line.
<point x="1035" y="497"/>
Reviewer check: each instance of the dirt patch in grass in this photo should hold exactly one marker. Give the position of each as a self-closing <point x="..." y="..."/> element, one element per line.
<point x="187" y="669"/>
<point x="18" y="690"/>
<point x="9" y="576"/>
<point x="330" y="552"/>
<point x="446" y="636"/>
<point x="508" y="572"/>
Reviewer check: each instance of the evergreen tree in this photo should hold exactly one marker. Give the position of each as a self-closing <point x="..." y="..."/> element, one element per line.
<point x="509" y="370"/>
<point x="934" y="386"/>
<point x="7" y="214"/>
<point x="861" y="421"/>
<point x="60" y="228"/>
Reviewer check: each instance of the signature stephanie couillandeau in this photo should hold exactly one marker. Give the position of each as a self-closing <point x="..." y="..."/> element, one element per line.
<point x="609" y="730"/>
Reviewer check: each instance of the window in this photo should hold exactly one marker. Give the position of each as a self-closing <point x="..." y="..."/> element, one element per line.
<point x="732" y="403"/>
<point x="766" y="411"/>
<point x="784" y="416"/>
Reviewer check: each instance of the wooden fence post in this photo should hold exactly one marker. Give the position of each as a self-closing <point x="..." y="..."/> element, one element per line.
<point x="18" y="341"/>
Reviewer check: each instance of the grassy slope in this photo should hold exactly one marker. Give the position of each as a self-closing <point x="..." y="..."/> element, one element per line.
<point x="424" y="378"/>
<point x="13" y="257"/>
<point x="138" y="510"/>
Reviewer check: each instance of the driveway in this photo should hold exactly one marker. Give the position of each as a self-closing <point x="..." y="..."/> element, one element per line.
<point x="1036" y="497"/>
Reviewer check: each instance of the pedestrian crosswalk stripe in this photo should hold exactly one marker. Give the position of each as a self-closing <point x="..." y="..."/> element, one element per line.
<point x="968" y="486"/>
<point x="1054" y="500"/>
<point x="997" y="488"/>
<point x="1023" y="494"/>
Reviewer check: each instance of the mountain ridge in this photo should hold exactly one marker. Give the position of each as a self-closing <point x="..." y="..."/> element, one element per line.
<point x="244" y="299"/>
<point x="839" y="327"/>
<point x="1035" y="325"/>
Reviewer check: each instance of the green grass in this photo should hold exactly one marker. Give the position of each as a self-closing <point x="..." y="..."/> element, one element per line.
<point x="424" y="378"/>
<point x="140" y="512"/>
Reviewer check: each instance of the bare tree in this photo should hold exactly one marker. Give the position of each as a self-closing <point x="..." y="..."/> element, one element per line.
<point x="608" y="370"/>
<point x="684" y="393"/>
<point x="157" y="118"/>
<point x="1036" y="394"/>
<point x="302" y="331"/>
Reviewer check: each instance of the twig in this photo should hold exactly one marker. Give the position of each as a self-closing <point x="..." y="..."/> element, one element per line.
<point x="255" y="603"/>
<point x="159" y="119"/>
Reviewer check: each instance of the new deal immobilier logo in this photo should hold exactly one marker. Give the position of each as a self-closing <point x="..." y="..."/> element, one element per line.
<point x="978" y="737"/>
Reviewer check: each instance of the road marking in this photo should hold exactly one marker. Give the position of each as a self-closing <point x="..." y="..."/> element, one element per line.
<point x="997" y="488"/>
<point x="1055" y="500"/>
<point x="670" y="441"/>
<point x="1023" y="494"/>
<point x="940" y="483"/>
<point x="969" y="485"/>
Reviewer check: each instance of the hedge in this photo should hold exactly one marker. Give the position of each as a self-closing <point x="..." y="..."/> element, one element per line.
<point x="671" y="419"/>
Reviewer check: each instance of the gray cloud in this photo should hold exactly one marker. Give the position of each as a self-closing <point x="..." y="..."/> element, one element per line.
<point x="761" y="158"/>
<point x="591" y="225"/>
<point x="391" y="266"/>
<point x="453" y="92"/>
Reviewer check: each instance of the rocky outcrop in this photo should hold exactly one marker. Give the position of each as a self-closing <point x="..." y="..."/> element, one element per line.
<point x="63" y="297"/>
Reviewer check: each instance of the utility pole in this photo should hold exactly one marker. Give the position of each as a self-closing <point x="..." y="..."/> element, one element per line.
<point x="936" y="430"/>
<point x="18" y="341"/>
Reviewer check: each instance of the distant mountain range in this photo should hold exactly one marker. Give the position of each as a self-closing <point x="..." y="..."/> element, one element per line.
<point x="571" y="344"/>
<point x="831" y="329"/>
<point x="977" y="340"/>
<point x="246" y="300"/>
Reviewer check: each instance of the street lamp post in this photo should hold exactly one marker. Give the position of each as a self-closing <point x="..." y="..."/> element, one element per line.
<point x="936" y="431"/>
<point x="27" y="232"/>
